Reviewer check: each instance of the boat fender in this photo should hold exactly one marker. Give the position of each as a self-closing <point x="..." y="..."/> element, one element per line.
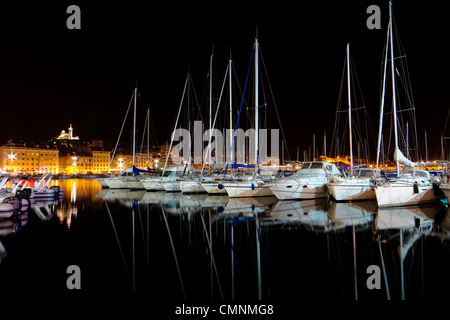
<point x="253" y="186"/>
<point x="416" y="188"/>
<point x="417" y="222"/>
<point x="220" y="186"/>
<point x="436" y="190"/>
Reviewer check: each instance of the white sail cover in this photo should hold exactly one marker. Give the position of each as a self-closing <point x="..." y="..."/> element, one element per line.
<point x="398" y="156"/>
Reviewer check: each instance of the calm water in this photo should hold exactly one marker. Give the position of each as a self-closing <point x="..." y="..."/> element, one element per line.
<point x="172" y="247"/>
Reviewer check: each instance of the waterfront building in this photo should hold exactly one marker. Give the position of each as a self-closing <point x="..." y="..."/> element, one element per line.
<point x="100" y="161"/>
<point x="20" y="158"/>
<point x="123" y="161"/>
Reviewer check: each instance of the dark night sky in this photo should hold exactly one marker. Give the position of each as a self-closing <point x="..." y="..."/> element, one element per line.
<point x="51" y="76"/>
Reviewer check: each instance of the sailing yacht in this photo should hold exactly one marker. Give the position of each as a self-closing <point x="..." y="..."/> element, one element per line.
<point x="354" y="187"/>
<point x="131" y="177"/>
<point x="409" y="187"/>
<point x="308" y="183"/>
<point x="253" y="186"/>
<point x="357" y="187"/>
<point x="192" y="185"/>
<point x="170" y="174"/>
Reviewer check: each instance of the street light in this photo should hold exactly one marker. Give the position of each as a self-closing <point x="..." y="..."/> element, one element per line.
<point x="120" y="164"/>
<point x="74" y="163"/>
<point x="11" y="157"/>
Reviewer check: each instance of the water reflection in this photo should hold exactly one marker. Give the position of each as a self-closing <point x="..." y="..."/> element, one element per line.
<point x="11" y="226"/>
<point x="203" y="247"/>
<point x="238" y="231"/>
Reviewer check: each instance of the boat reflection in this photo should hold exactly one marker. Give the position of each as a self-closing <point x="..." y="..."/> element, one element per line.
<point x="45" y="209"/>
<point x="248" y="206"/>
<point x="11" y="226"/>
<point x="320" y="215"/>
<point x="221" y="247"/>
<point x="398" y="231"/>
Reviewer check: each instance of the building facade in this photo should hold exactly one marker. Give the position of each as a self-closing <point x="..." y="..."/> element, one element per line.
<point x="14" y="158"/>
<point x="67" y="154"/>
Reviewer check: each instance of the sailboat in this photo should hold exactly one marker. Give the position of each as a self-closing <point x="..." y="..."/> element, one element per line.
<point x="253" y="186"/>
<point x="308" y="183"/>
<point x="411" y="186"/>
<point x="354" y="187"/>
<point x="170" y="178"/>
<point x="212" y="184"/>
<point x="129" y="178"/>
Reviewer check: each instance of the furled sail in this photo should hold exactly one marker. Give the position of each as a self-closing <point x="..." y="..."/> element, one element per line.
<point x="398" y="156"/>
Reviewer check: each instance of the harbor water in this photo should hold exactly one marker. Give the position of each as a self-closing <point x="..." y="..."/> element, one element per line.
<point x="176" y="247"/>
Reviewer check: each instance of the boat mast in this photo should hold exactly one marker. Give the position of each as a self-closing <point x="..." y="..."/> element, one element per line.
<point x="231" y="107"/>
<point x="210" y="108"/>
<point x="134" y="126"/>
<point x="256" y="104"/>
<point x="148" y="138"/>
<point x="380" y="128"/>
<point x="349" y="110"/>
<point x="176" y="123"/>
<point x="394" y="102"/>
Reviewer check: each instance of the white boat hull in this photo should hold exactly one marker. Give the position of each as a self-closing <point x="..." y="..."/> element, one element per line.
<point x="6" y="210"/>
<point x="44" y="193"/>
<point x="116" y="183"/>
<point x="153" y="184"/>
<point x="351" y="190"/>
<point x="134" y="183"/>
<point x="291" y="189"/>
<point x="102" y="182"/>
<point x="171" y="186"/>
<point x="191" y="186"/>
<point x="243" y="189"/>
<point x="213" y="187"/>
<point x="396" y="194"/>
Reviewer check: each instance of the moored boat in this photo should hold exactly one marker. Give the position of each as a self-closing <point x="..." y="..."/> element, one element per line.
<point x="308" y="183"/>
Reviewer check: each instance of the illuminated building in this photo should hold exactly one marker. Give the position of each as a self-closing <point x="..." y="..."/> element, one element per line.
<point x="123" y="161"/>
<point x="19" y="158"/>
<point x="100" y="161"/>
<point x="67" y="136"/>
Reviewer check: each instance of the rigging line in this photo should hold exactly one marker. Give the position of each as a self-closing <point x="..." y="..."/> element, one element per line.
<point x="197" y="104"/>
<point x="120" y="134"/>
<point x="118" y="242"/>
<point x="446" y="122"/>
<point x="274" y="103"/>
<point x="408" y="88"/>
<point x="214" y="122"/>
<point x="235" y="258"/>
<point x="212" y="256"/>
<point x="240" y="109"/>
<point x="143" y="235"/>
<point x="337" y="122"/>
<point x="143" y="138"/>
<point x="368" y="125"/>
<point x="353" y="109"/>
<point x="176" y="123"/>
<point x="174" y="253"/>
